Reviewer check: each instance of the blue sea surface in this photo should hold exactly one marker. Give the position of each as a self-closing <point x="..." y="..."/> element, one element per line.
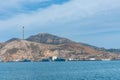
<point x="81" y="70"/>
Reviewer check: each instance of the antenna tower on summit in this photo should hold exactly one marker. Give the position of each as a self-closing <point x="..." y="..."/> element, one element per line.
<point x="23" y="32"/>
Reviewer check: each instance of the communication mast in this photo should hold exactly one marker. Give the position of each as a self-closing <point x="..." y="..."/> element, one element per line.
<point x="23" y="32"/>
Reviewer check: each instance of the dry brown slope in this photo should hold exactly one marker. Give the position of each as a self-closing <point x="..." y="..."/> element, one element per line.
<point x="22" y="49"/>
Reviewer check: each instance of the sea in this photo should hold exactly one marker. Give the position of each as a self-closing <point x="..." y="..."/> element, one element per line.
<point x="76" y="70"/>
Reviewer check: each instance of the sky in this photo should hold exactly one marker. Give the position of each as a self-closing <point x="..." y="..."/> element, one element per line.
<point x="95" y="22"/>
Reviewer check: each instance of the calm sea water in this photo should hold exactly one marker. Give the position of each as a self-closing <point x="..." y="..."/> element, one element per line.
<point x="83" y="70"/>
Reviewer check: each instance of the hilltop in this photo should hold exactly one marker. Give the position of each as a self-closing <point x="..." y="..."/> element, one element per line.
<point x="48" y="39"/>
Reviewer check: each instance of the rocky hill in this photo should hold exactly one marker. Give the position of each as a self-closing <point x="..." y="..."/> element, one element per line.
<point x="43" y="46"/>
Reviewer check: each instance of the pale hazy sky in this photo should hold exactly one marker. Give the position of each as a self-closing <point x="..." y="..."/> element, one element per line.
<point x="96" y="22"/>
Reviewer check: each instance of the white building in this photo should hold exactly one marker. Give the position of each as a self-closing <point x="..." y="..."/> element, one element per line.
<point x="54" y="58"/>
<point x="92" y="59"/>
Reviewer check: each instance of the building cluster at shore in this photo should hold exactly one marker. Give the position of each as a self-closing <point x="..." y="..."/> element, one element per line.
<point x="58" y="59"/>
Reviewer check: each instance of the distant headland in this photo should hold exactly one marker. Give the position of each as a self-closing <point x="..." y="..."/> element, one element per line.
<point x="48" y="47"/>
